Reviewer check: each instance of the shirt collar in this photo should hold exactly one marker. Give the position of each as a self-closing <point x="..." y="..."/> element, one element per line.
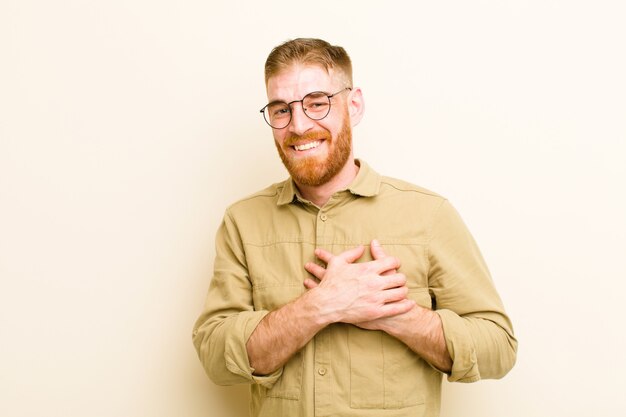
<point x="365" y="184"/>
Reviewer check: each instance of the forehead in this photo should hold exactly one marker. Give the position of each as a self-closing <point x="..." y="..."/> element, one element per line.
<point x="296" y="81"/>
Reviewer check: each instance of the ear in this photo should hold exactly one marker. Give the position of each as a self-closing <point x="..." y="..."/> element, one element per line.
<point x="356" y="106"/>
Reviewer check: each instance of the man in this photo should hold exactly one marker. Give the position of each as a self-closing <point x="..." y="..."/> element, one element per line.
<point x="299" y="308"/>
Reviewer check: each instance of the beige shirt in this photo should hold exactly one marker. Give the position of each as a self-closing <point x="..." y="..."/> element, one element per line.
<point x="262" y="246"/>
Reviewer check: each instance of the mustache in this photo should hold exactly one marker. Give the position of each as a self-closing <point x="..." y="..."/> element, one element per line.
<point x="307" y="137"/>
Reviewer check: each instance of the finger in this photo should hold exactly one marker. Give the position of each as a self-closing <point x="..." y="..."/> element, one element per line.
<point x="316" y="270"/>
<point x="323" y="255"/>
<point x="388" y="263"/>
<point x="351" y="255"/>
<point x="399" y="307"/>
<point x="393" y="281"/>
<point x="348" y="256"/>
<point x="395" y="294"/>
<point x="310" y="284"/>
<point x="377" y="250"/>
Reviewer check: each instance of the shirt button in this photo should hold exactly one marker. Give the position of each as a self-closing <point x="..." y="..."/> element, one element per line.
<point x="321" y="371"/>
<point x="323" y="217"/>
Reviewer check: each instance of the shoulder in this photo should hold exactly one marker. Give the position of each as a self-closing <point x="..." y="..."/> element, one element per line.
<point x="389" y="185"/>
<point x="419" y="205"/>
<point x="257" y="202"/>
<point x="411" y="203"/>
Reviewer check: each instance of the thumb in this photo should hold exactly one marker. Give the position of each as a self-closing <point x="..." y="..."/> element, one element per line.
<point x="378" y="253"/>
<point x="377" y="250"/>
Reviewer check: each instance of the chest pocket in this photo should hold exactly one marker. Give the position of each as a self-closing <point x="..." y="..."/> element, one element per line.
<point x="384" y="372"/>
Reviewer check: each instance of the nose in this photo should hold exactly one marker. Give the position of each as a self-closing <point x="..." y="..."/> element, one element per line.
<point x="300" y="122"/>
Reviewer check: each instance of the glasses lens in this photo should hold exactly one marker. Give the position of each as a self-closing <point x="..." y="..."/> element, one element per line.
<point x="316" y="105"/>
<point x="277" y="115"/>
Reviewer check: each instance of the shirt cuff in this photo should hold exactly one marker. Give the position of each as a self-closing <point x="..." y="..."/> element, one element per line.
<point x="460" y="347"/>
<point x="236" y="354"/>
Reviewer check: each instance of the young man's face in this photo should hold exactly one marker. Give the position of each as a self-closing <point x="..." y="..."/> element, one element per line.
<point x="313" y="151"/>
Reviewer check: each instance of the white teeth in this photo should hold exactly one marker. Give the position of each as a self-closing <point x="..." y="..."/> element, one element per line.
<point x="306" y="146"/>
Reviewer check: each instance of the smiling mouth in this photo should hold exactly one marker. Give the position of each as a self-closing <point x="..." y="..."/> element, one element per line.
<point x="307" y="146"/>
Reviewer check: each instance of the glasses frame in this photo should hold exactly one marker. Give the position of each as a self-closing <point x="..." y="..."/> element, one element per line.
<point x="303" y="109"/>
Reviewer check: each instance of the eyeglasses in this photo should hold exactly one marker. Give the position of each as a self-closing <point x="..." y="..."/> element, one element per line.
<point x="316" y="106"/>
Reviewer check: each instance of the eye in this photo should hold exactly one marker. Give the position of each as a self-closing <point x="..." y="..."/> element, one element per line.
<point x="278" y="110"/>
<point x="317" y="102"/>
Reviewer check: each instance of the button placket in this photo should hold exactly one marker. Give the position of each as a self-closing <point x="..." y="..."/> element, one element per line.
<point x="323" y="385"/>
<point x="320" y="228"/>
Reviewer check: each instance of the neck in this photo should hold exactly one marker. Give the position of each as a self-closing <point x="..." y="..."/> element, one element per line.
<point x="319" y="195"/>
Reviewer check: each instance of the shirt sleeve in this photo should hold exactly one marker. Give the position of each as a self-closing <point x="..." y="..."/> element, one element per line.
<point x="478" y="333"/>
<point x="221" y="332"/>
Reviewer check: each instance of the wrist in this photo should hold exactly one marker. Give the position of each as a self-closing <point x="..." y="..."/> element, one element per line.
<point x="313" y="308"/>
<point x="414" y="322"/>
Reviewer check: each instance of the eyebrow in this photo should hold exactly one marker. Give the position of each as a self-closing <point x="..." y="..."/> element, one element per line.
<point x="295" y="101"/>
<point x="275" y="102"/>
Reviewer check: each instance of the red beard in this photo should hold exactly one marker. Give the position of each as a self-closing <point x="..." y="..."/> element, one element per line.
<point x="315" y="170"/>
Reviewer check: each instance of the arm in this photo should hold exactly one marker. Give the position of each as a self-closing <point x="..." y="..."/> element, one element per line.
<point x="281" y="334"/>
<point x="229" y="317"/>
<point x="478" y="332"/>
<point x="238" y="344"/>
<point x="469" y="336"/>
<point x="350" y="293"/>
<point x="419" y="328"/>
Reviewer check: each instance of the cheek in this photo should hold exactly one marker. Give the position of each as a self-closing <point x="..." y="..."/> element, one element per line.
<point x="335" y="130"/>
<point x="330" y="126"/>
<point x="336" y="123"/>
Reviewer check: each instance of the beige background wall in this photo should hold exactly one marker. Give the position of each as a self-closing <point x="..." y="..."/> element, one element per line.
<point x="127" y="127"/>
